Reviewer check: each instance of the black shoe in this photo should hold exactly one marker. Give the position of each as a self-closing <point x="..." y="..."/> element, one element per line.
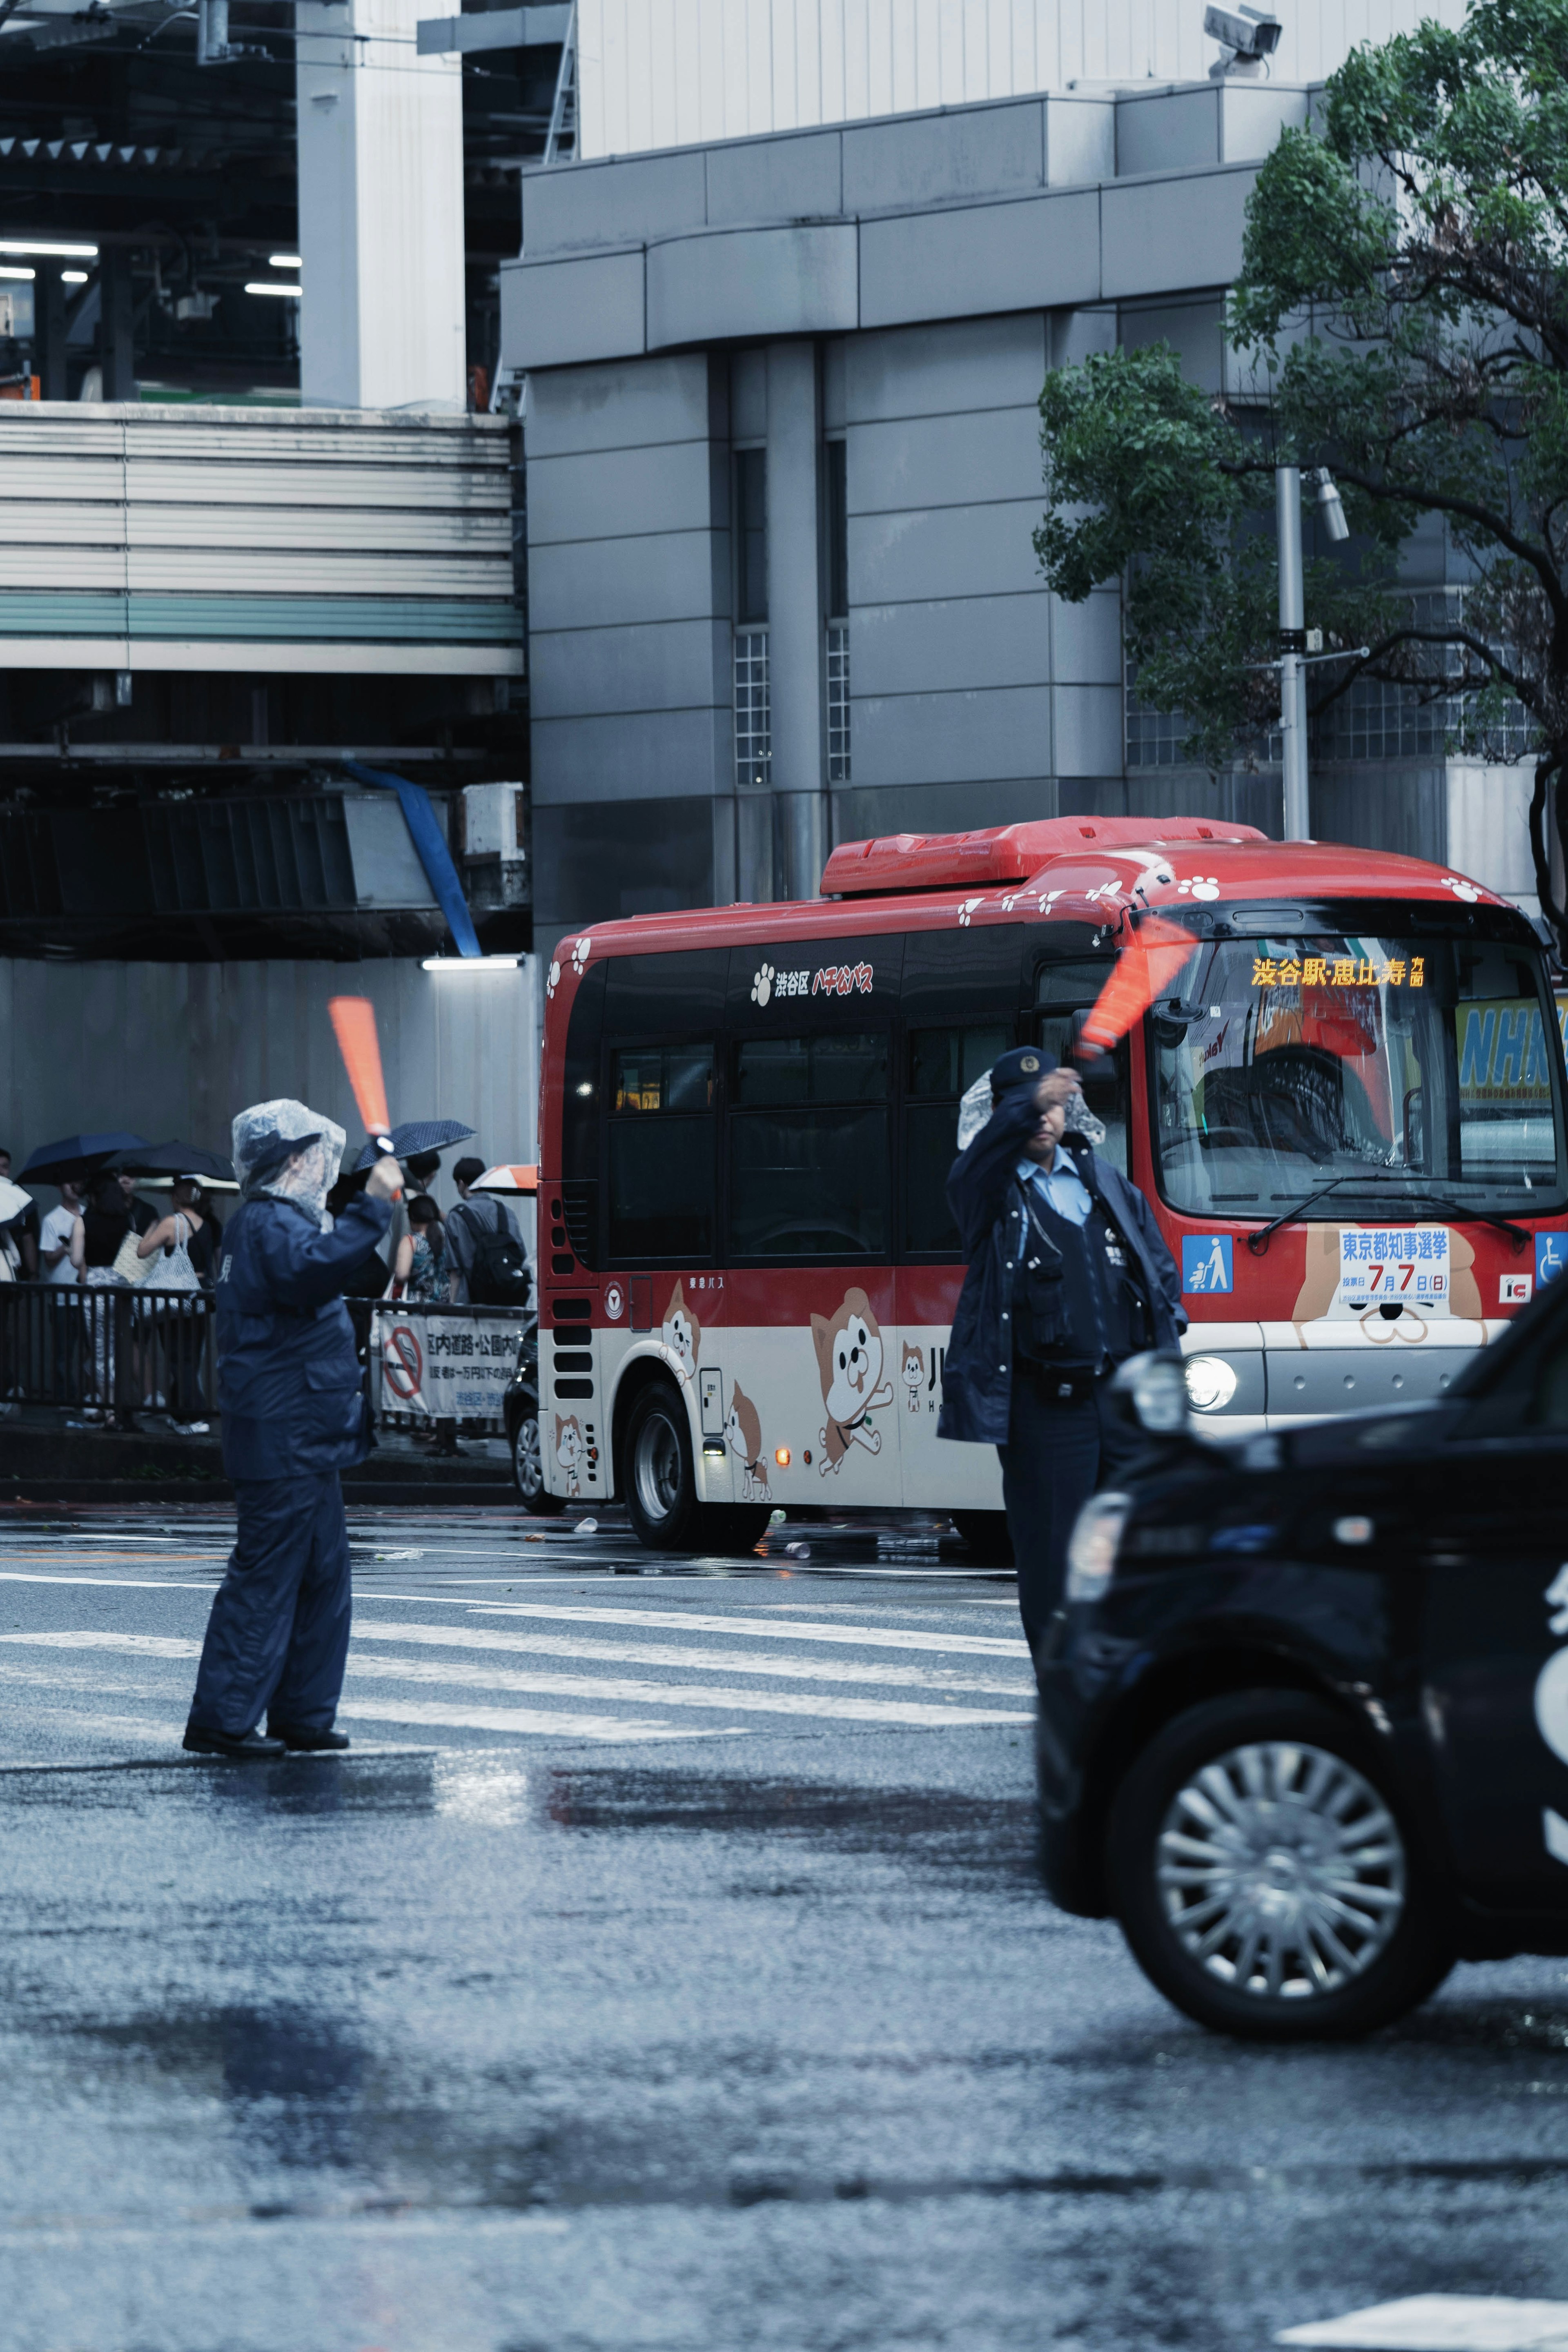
<point x="295" y="1734"/>
<point x="246" y="1746"/>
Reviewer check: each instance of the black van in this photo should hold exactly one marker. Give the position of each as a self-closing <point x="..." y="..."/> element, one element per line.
<point x="1304" y="1719"/>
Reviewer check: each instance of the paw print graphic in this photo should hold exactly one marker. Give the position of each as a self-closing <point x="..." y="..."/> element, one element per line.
<point x="1200" y="885"/>
<point x="553" y="981"/>
<point x="966" y="912"/>
<point x="581" y="952"/>
<point x="1467" y="891"/>
<point x="763" y="986"/>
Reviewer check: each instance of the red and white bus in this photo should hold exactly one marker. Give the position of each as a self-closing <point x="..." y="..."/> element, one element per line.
<point x="1348" y="1114"/>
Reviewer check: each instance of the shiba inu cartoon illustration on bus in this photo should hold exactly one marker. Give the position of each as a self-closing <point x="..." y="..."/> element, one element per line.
<point x="914" y="1373"/>
<point x="850" y="1366"/>
<point x="682" y="1333"/>
<point x="743" y="1435"/>
<point x="570" y="1450"/>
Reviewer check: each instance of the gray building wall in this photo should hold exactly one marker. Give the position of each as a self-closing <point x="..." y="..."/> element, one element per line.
<point x="176" y="1050"/>
<point x="934" y="268"/>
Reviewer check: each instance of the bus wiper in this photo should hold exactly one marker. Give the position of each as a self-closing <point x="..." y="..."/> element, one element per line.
<point x="1258" y="1242"/>
<point x="1518" y="1234"/>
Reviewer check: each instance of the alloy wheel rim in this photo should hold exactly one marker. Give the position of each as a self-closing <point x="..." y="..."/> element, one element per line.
<point x="530" y="1466"/>
<point x="1281" y="1871"/>
<point x="657" y="1467"/>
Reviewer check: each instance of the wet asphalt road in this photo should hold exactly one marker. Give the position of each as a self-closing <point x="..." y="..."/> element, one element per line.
<point x="664" y="1970"/>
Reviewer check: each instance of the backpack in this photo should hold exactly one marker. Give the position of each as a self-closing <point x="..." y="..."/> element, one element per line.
<point x="499" y="1274"/>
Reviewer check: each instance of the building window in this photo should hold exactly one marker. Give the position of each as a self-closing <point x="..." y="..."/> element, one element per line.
<point x="838" y="702"/>
<point x="753" y="732"/>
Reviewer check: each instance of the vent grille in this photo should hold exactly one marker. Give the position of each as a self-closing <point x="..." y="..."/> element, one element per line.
<point x="580" y="1216"/>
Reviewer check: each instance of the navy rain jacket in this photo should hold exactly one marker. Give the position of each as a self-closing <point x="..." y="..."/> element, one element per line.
<point x="987" y="1202"/>
<point x="288" y="1381"/>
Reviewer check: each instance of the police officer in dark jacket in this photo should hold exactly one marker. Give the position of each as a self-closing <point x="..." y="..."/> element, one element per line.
<point x="1068" y="1276"/>
<point x="293" y="1417"/>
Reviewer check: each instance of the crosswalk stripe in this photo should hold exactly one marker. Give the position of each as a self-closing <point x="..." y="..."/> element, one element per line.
<point x="638" y="1694"/>
<point x="672" y="1654"/>
<point x="853" y="1636"/>
<point x="616" y="1728"/>
<point x="148" y="1645"/>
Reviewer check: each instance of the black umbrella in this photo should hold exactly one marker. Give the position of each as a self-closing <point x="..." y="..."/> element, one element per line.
<point x="418" y="1135"/>
<point x="73" y="1154"/>
<point x="175" y="1159"/>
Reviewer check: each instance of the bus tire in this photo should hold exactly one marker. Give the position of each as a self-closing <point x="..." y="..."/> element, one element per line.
<point x="657" y="1474"/>
<point x="985" y="1533"/>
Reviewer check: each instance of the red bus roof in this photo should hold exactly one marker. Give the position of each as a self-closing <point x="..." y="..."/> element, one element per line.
<point x="1094" y="868"/>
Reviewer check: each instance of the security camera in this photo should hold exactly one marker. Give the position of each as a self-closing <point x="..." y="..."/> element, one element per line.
<point x="1247" y="34"/>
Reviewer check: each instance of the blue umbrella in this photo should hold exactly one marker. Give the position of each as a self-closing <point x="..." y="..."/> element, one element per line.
<point x="416" y="1135"/>
<point x="73" y="1154"/>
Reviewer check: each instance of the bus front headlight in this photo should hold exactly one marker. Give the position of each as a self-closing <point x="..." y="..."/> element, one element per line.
<point x="1211" y="1382"/>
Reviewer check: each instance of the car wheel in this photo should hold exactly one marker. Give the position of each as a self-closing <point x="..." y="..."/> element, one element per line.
<point x="1265" y="1874"/>
<point x="660" y="1490"/>
<point x="528" y="1471"/>
<point x="985" y="1533"/>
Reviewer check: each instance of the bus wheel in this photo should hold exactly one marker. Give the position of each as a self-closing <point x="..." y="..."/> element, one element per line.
<point x="661" y="1491"/>
<point x="985" y="1533"/>
<point x="528" y="1471"/>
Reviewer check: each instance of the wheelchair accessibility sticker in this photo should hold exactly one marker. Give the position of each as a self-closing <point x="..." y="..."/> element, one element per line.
<point x="1206" y="1262"/>
<point x="1551" y="1257"/>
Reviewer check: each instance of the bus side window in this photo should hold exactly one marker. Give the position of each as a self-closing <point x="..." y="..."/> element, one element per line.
<point x="809" y="1171"/>
<point x="943" y="1064"/>
<point x="580" y="1117"/>
<point x="661" y="1153"/>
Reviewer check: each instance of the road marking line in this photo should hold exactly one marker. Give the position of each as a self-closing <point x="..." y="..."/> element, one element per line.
<point x="671" y="1654"/>
<point x="800" y="1703"/>
<point x="120" y="1584"/>
<point x="152" y="1645"/>
<point x="883" y="1637"/>
<point x="1442" y="2322"/>
<point x="613" y="1728"/>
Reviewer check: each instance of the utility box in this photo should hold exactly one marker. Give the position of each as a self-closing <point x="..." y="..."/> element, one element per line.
<point x="494" y="851"/>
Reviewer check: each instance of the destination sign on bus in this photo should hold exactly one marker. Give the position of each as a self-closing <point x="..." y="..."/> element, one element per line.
<point x="1337" y="972"/>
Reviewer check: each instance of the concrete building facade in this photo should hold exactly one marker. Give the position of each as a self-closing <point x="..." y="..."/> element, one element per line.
<point x="783" y="469"/>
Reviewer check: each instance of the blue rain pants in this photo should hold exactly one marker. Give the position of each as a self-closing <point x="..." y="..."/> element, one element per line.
<point x="278" y="1633"/>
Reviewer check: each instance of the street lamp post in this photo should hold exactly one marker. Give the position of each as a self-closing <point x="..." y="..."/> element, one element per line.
<point x="1292" y="645"/>
<point x="1295" y="647"/>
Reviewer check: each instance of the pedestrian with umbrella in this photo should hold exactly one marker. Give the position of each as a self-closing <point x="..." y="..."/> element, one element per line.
<point x="293" y="1409"/>
<point x="418" y="1144"/>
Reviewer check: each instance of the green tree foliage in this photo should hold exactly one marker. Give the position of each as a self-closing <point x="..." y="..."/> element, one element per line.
<point x="1402" y="312"/>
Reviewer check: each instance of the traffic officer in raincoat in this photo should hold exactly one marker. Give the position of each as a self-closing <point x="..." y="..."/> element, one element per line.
<point x="293" y="1418"/>
<point x="1068" y="1276"/>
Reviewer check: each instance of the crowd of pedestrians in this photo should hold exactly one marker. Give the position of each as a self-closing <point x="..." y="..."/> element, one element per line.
<point x="102" y="1236"/>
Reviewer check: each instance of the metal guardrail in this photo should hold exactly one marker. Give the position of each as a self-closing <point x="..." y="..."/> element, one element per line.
<point x="432" y="1366"/>
<point x="107" y="1349"/>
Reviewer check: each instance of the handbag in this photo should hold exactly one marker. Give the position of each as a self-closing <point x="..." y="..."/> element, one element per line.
<point x="127" y="1264"/>
<point x="175" y="1271"/>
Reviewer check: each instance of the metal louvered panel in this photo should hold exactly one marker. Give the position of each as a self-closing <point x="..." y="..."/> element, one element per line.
<point x="249" y="857"/>
<point x="258" y="526"/>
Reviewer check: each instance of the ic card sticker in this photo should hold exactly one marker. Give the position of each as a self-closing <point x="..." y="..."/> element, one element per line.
<point x="1207" y="1263"/>
<point x="1403" y="1265"/>
<point x="1515" y="1289"/>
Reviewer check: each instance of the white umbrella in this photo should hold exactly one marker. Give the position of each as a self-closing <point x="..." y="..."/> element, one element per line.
<point x="507" y="1180"/>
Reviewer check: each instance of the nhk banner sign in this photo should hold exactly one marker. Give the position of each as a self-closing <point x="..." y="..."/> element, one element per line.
<point x="444" y="1365"/>
<point x="1502" y="1056"/>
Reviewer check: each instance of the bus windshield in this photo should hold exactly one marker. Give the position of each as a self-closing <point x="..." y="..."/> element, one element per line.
<point x="1416" y="1070"/>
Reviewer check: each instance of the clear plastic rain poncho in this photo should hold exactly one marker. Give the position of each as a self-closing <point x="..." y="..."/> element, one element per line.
<point x="307" y="1180"/>
<point x="975" y="1109"/>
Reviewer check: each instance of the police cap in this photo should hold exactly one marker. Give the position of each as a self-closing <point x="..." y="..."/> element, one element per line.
<point x="1025" y="1067"/>
<point x="269" y="1150"/>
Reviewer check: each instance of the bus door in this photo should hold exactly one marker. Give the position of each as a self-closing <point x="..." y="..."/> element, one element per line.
<point x="963" y="1005"/>
<point x="660" y="1082"/>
